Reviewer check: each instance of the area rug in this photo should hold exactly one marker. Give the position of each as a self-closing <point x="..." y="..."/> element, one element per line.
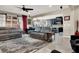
<point x="21" y="45"/>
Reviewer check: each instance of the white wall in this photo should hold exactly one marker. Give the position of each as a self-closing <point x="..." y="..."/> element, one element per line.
<point x="68" y="26"/>
<point x="49" y="16"/>
<point x="76" y="17"/>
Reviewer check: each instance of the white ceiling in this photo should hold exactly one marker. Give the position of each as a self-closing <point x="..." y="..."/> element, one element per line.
<point x="38" y="9"/>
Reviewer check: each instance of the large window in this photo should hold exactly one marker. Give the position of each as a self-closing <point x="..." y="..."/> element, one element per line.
<point x="2" y="20"/>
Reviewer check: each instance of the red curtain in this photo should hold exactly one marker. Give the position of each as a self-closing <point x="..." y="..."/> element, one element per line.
<point x="24" y="23"/>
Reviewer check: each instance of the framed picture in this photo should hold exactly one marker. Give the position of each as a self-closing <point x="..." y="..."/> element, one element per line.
<point x="66" y="18"/>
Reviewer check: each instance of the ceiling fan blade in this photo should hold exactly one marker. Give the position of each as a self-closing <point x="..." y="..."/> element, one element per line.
<point x="25" y="9"/>
<point x="28" y="8"/>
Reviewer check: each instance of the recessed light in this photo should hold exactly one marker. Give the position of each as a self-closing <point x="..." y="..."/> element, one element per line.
<point x="61" y="7"/>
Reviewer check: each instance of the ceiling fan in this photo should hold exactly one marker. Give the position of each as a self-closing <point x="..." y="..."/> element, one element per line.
<point x="26" y="9"/>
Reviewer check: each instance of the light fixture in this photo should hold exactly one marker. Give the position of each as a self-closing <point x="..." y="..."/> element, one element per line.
<point x="61" y="7"/>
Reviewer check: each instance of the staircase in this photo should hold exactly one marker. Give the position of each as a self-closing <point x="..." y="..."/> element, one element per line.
<point x="9" y="33"/>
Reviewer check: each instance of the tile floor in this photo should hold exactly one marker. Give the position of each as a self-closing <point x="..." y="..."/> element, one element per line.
<point x="60" y="43"/>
